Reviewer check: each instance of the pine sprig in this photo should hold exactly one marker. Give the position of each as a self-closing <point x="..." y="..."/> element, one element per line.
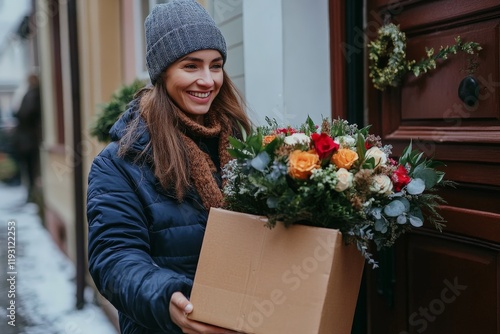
<point x="430" y="63"/>
<point x="112" y="110"/>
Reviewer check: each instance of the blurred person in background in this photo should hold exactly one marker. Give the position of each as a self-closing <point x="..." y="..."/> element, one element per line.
<point x="28" y="135"/>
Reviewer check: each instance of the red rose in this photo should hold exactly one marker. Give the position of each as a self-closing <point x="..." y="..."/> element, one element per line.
<point x="286" y="131"/>
<point x="400" y="178"/>
<point x="324" y="145"/>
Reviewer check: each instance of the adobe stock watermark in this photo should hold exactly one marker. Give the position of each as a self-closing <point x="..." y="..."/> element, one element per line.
<point x="11" y="272"/>
<point x="44" y="14"/>
<point x="72" y="157"/>
<point x="224" y="8"/>
<point x="292" y="280"/>
<point x="459" y="111"/>
<point x="429" y="313"/>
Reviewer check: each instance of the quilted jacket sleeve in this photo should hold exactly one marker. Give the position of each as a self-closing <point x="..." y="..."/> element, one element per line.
<point x="118" y="240"/>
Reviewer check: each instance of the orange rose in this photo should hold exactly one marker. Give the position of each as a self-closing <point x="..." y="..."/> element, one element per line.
<point x="268" y="139"/>
<point x="301" y="164"/>
<point x="344" y="158"/>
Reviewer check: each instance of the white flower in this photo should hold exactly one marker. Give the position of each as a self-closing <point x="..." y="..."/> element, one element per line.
<point x="381" y="184"/>
<point x="377" y="154"/>
<point x="345" y="141"/>
<point x="344" y="180"/>
<point x="297" y="138"/>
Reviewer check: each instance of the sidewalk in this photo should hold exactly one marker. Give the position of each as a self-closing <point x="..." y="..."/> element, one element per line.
<point x="37" y="286"/>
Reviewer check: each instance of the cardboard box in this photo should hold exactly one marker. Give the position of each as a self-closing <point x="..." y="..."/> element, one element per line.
<point x="253" y="279"/>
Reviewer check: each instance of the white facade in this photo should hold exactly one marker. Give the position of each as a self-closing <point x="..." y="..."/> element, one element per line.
<point x="286" y="60"/>
<point x="278" y="54"/>
<point x="14" y="56"/>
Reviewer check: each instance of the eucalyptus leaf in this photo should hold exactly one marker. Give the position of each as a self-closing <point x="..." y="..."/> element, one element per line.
<point x="394" y="208"/>
<point x="417" y="212"/>
<point x="261" y="161"/>
<point x="429" y="176"/>
<point x="401" y="219"/>
<point x="416" y="187"/>
<point x="381" y="226"/>
<point x="377" y="213"/>
<point x="416" y="221"/>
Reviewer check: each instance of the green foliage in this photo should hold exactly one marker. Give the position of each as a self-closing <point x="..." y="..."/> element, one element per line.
<point x="373" y="199"/>
<point x="430" y="62"/>
<point x="387" y="56"/>
<point x="112" y="110"/>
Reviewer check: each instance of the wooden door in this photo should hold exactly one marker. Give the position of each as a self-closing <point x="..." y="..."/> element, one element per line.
<point x="446" y="282"/>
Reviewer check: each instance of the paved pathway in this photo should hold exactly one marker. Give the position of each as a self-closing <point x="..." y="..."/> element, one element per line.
<point x="39" y="281"/>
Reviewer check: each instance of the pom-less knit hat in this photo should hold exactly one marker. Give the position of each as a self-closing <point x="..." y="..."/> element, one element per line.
<point x="175" y="29"/>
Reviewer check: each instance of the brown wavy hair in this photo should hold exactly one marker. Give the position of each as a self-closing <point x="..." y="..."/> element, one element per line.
<point x="160" y="114"/>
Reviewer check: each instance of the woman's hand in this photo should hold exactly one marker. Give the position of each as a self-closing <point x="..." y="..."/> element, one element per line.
<point x="180" y="307"/>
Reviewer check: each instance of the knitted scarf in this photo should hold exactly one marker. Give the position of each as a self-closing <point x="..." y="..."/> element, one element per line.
<point x="201" y="166"/>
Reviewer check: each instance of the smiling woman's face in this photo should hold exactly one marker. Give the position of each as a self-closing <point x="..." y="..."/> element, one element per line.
<point x="194" y="81"/>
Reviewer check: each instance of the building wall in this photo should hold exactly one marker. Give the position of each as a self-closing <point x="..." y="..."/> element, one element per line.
<point x="100" y="44"/>
<point x="15" y="58"/>
<point x="56" y="169"/>
<point x="100" y="73"/>
<point x="228" y="15"/>
<point x="287" y="66"/>
<point x="128" y="40"/>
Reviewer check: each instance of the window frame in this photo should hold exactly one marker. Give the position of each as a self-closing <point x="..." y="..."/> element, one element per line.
<point x="139" y="38"/>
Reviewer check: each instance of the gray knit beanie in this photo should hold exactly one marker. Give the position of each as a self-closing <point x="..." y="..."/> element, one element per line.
<point x="175" y="29"/>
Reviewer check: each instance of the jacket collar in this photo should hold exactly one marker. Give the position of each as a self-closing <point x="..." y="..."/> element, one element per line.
<point x="119" y="129"/>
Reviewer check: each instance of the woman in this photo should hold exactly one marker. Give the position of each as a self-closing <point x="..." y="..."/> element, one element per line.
<point x="151" y="188"/>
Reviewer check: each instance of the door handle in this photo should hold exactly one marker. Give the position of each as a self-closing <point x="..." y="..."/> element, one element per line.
<point x="468" y="90"/>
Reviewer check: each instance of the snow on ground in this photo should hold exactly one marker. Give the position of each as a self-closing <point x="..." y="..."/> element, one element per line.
<point x="45" y="277"/>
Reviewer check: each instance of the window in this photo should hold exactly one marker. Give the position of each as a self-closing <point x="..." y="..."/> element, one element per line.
<point x="142" y="9"/>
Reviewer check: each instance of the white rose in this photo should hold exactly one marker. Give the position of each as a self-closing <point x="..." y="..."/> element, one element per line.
<point x="381" y="184"/>
<point x="345" y="141"/>
<point x="377" y="154"/>
<point x="344" y="179"/>
<point x="297" y="138"/>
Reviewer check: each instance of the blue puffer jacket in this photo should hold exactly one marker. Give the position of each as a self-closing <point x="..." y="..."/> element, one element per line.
<point x="143" y="244"/>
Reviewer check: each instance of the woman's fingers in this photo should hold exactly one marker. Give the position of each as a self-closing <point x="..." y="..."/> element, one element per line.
<point x="180" y="301"/>
<point x="180" y="307"/>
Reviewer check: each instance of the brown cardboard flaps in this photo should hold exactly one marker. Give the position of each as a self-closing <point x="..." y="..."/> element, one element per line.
<point x="253" y="279"/>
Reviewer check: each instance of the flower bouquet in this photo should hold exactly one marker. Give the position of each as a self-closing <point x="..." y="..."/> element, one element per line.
<point x="336" y="176"/>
